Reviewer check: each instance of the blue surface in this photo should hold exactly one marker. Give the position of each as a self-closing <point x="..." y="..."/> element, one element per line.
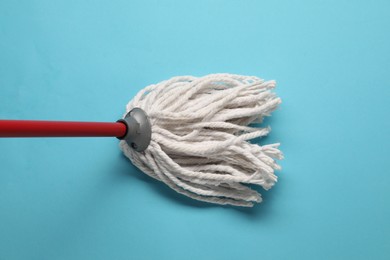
<point x="83" y="60"/>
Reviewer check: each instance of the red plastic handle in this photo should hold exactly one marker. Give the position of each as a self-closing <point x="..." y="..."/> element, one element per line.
<point x="30" y="128"/>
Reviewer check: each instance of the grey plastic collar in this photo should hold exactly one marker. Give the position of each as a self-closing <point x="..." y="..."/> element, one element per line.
<point x="139" y="130"/>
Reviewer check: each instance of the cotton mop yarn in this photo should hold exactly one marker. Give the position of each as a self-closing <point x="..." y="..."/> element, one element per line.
<point x="201" y="129"/>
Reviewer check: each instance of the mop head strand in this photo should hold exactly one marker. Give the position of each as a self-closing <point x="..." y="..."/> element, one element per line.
<point x="201" y="129"/>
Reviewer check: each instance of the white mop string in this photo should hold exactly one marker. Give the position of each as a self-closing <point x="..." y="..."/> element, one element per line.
<point x="201" y="129"/>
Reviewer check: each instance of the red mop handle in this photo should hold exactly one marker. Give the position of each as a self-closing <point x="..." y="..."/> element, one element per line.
<point x="30" y="128"/>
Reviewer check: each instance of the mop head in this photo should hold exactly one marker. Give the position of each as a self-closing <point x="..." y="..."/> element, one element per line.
<point x="201" y="129"/>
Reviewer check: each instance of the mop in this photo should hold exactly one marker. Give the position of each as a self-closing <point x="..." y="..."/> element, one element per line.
<point x="190" y="133"/>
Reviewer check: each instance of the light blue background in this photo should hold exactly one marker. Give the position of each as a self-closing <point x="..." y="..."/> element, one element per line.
<point x="83" y="60"/>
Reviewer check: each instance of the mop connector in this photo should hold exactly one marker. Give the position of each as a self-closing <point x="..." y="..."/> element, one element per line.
<point x="138" y="133"/>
